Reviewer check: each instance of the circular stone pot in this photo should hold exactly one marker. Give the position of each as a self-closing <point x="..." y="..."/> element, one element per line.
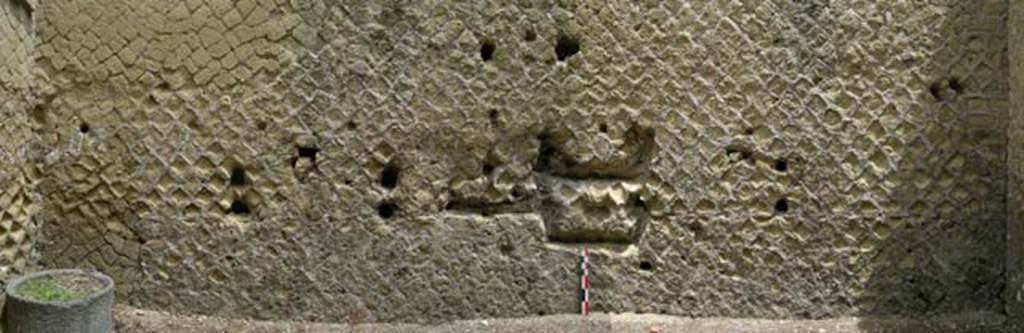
<point x="90" y="312"/>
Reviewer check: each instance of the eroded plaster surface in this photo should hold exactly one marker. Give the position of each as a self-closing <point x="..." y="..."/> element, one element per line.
<point x="17" y="204"/>
<point x="1014" y="293"/>
<point x="432" y="160"/>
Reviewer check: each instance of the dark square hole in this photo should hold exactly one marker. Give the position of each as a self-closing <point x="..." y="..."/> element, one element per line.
<point x="238" y="177"/>
<point x="781" y="166"/>
<point x="239" y="207"/>
<point x="487" y="50"/>
<point x="389" y="176"/>
<point x="387" y="210"/>
<point x="566" y="47"/>
<point x="309" y="152"/>
<point x="782" y="206"/>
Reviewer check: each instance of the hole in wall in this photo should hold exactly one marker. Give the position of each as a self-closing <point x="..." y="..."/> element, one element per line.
<point x="639" y="203"/>
<point x="782" y="206"/>
<point x="954" y="83"/>
<point x="547" y="153"/>
<point x="781" y="165"/>
<point x="389" y="176"/>
<point x="84" y="128"/>
<point x="603" y="128"/>
<point x="238" y="177"/>
<point x="261" y="125"/>
<point x="936" y="90"/>
<point x="239" y="207"/>
<point x="566" y="47"/>
<point x="530" y="35"/>
<point x="646" y="265"/>
<point x="743" y="153"/>
<point x="493" y="115"/>
<point x="351" y="125"/>
<point x="487" y="50"/>
<point x="387" y="210"/>
<point x="487" y="169"/>
<point x="309" y="153"/>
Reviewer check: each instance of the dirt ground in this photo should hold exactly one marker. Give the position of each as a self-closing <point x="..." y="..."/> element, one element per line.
<point x="130" y="320"/>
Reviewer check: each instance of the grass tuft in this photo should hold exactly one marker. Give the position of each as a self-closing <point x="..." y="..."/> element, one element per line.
<point x="48" y="290"/>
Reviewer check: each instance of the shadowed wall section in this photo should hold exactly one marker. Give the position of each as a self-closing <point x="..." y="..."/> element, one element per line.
<point x="1014" y="293"/>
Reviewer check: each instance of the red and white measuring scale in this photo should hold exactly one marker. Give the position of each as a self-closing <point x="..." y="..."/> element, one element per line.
<point x="585" y="283"/>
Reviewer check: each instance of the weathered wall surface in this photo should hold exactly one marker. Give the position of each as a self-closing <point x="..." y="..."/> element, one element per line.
<point x="1014" y="293"/>
<point x="17" y="203"/>
<point x="428" y="160"/>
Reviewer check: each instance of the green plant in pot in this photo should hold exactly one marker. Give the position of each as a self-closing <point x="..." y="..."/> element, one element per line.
<point x="60" y="301"/>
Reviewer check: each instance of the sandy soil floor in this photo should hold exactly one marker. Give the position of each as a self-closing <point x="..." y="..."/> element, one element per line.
<point x="130" y="320"/>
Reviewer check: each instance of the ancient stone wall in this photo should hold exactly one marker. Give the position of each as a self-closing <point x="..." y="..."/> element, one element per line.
<point x="17" y="229"/>
<point x="1014" y="293"/>
<point x="430" y="160"/>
